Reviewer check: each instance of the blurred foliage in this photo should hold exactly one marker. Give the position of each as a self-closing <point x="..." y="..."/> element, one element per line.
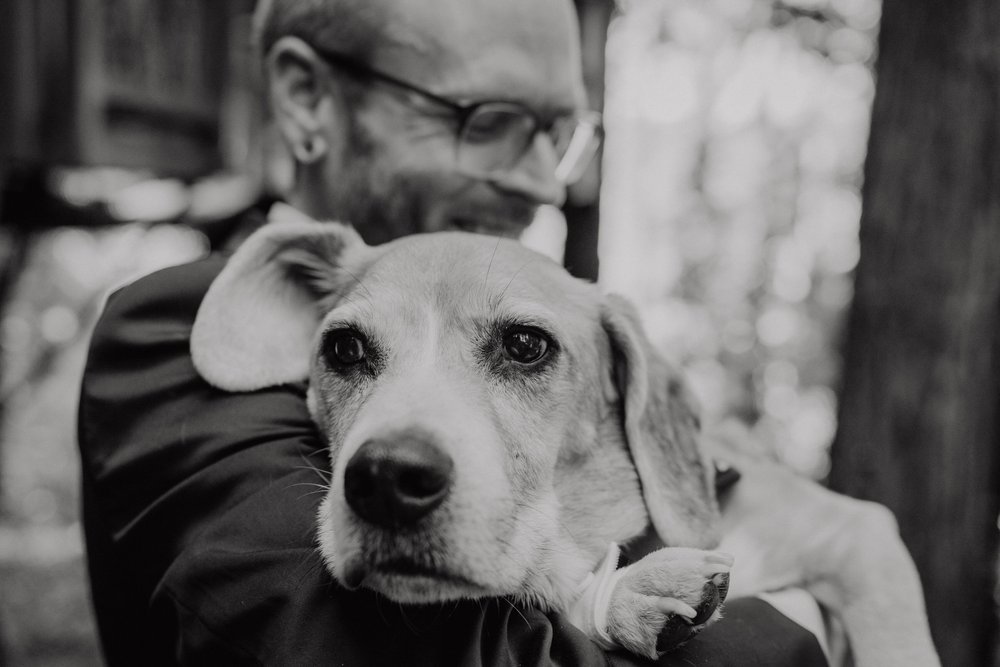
<point x="737" y="130"/>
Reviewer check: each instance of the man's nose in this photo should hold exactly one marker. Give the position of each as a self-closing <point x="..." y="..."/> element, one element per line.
<point x="533" y="177"/>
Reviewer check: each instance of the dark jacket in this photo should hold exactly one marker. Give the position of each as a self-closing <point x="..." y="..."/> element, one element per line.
<point x="199" y="510"/>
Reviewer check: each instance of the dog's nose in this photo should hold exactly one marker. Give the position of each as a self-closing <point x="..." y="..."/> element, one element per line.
<point x="395" y="482"/>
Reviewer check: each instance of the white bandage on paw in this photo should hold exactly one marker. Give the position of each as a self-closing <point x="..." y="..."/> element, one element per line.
<point x="590" y="610"/>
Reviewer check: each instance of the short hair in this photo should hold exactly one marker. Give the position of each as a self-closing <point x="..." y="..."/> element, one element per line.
<point x="352" y="27"/>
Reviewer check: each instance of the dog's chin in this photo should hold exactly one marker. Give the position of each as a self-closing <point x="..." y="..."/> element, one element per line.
<point x="408" y="583"/>
<point x="399" y="575"/>
<point x="424" y="588"/>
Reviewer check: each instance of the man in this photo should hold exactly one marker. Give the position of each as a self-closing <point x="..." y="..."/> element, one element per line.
<point x="374" y="150"/>
<point x="402" y="117"/>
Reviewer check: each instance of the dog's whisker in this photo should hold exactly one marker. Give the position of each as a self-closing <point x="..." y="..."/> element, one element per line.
<point x="310" y="493"/>
<point x="311" y="567"/>
<point x="358" y="281"/>
<point x="342" y="298"/>
<point x="325" y="475"/>
<point x="515" y="608"/>
<point x="379" y="601"/>
<point x="310" y="466"/>
<point x="306" y="567"/>
<point x="305" y="452"/>
<point x="489" y="267"/>
<point x="323" y="452"/>
<point x="322" y="487"/>
<point x="401" y="611"/>
<point x="500" y="296"/>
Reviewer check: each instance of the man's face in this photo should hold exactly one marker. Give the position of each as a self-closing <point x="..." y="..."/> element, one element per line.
<point x="397" y="174"/>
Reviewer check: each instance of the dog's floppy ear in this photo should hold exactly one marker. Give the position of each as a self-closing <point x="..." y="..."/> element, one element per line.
<point x="661" y="427"/>
<point x="256" y="324"/>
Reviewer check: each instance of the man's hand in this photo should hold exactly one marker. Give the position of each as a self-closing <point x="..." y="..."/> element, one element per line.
<point x="786" y="531"/>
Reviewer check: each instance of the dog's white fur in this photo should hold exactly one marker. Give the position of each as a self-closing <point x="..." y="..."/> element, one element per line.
<point x="549" y="467"/>
<point x="785" y="531"/>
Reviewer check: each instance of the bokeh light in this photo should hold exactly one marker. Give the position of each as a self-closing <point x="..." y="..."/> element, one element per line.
<point x="737" y="132"/>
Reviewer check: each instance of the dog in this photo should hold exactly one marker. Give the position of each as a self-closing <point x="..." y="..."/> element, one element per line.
<point x="493" y="424"/>
<point x="496" y="427"/>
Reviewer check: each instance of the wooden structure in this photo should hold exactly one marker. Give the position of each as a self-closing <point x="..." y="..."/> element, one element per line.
<point x="139" y="84"/>
<point x="130" y="83"/>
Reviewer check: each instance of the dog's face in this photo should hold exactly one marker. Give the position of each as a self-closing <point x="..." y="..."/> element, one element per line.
<point x="480" y="378"/>
<point x="493" y="423"/>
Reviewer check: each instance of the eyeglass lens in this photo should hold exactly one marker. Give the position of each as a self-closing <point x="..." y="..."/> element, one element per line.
<point x="495" y="136"/>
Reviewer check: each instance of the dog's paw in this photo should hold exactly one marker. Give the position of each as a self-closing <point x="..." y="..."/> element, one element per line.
<point x="666" y="598"/>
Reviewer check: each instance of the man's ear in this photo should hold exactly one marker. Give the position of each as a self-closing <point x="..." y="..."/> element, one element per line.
<point x="300" y="97"/>
<point x="256" y="324"/>
<point x="661" y="427"/>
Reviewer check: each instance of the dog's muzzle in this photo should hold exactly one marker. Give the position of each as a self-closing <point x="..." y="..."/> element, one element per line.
<point x="394" y="482"/>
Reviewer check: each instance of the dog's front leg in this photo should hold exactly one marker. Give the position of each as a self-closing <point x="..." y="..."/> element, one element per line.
<point x="656" y="603"/>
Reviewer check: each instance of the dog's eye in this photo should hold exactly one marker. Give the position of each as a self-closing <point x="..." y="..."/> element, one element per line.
<point x="344" y="348"/>
<point x="524" y="345"/>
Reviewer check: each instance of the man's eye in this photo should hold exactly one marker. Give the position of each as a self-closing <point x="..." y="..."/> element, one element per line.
<point x="344" y="348"/>
<point x="487" y="125"/>
<point x="525" y="346"/>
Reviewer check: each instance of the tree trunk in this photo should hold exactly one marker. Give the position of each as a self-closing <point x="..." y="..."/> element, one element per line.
<point x="919" y="426"/>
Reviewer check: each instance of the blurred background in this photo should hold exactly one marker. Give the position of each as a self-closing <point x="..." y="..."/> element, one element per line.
<point x="728" y="208"/>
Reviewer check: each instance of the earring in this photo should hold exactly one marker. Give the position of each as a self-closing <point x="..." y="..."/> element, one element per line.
<point x="310" y="150"/>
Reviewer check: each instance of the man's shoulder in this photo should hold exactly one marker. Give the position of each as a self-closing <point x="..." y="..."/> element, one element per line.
<point x="152" y="314"/>
<point x="175" y="286"/>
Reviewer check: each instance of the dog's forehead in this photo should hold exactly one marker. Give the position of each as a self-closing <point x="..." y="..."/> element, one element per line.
<point x="457" y="271"/>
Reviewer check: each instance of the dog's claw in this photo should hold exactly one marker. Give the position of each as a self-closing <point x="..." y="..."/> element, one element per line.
<point x="682" y="627"/>
<point x="675" y="606"/>
<point x="712" y="595"/>
<point x="720" y="558"/>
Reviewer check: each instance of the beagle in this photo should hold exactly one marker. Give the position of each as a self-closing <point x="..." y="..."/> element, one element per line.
<point x="493" y="423"/>
<point x="497" y="427"/>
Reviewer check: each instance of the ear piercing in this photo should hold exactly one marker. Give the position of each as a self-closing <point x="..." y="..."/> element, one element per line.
<point x="310" y="150"/>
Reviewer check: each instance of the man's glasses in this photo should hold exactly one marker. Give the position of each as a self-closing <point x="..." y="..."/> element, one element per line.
<point x="493" y="136"/>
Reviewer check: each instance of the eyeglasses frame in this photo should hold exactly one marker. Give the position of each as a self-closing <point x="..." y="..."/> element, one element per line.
<point x="462" y="109"/>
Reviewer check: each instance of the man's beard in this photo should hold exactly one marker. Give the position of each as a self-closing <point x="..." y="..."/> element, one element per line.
<point x="382" y="207"/>
<point x="384" y="204"/>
